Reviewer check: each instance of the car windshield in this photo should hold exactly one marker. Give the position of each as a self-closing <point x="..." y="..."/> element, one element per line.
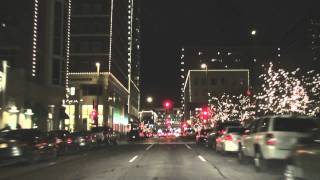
<point x="295" y="124"/>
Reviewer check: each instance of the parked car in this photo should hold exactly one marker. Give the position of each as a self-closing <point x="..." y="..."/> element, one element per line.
<point x="218" y="131"/>
<point x="273" y="138"/>
<point x="202" y="136"/>
<point x="111" y="136"/>
<point x="304" y="160"/>
<point x="99" y="134"/>
<point x="63" y="141"/>
<point x="229" y="140"/>
<point x="81" y="140"/>
<point x="28" y="144"/>
<point x="11" y="151"/>
<point x="133" y="135"/>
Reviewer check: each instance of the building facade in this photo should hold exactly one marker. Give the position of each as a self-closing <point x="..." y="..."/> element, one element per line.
<point x="32" y="42"/>
<point x="101" y="43"/>
<point x="301" y="43"/>
<point x="200" y="85"/>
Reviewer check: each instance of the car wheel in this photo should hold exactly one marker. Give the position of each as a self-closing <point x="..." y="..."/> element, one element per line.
<point x="54" y="154"/>
<point x="260" y="163"/>
<point x="289" y="173"/>
<point x="214" y="146"/>
<point x="115" y="142"/>
<point x="34" y="157"/>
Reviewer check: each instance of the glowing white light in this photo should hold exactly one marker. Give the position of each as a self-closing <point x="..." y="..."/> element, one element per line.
<point x="149" y="99"/>
<point x="67" y="50"/>
<point x="253" y="32"/>
<point x="34" y="42"/>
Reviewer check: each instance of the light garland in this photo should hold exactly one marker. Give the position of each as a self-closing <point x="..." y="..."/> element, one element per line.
<point x="35" y="38"/>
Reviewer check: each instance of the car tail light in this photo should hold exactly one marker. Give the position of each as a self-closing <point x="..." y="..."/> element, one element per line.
<point x="270" y="139"/>
<point x="69" y="141"/>
<point x="58" y="141"/>
<point x="228" y="138"/>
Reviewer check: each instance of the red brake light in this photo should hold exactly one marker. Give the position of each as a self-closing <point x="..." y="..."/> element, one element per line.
<point x="58" y="140"/>
<point x="228" y="138"/>
<point x="271" y="140"/>
<point x="69" y="141"/>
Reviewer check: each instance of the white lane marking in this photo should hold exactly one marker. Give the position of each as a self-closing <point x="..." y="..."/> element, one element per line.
<point x="134" y="158"/>
<point x="149" y="147"/>
<point x="52" y="163"/>
<point x="188" y="146"/>
<point x="202" y="159"/>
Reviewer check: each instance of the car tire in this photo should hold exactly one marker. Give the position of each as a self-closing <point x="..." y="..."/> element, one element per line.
<point x="260" y="164"/>
<point x="34" y="157"/>
<point x="214" y="146"/>
<point x="54" y="154"/>
<point x="115" y="142"/>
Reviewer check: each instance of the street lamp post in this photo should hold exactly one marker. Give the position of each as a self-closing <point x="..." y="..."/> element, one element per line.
<point x="204" y="66"/>
<point x="96" y="105"/>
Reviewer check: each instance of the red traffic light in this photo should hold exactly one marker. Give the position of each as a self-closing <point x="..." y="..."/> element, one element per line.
<point x="94" y="113"/>
<point x="167" y="104"/>
<point x="204" y="114"/>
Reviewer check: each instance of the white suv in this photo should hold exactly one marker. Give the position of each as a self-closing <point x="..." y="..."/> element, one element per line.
<point x="273" y="138"/>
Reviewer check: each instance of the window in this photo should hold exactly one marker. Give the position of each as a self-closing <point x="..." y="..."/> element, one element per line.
<point x="196" y="93"/>
<point x="263" y="125"/>
<point x="203" y="81"/>
<point x="294" y="124"/>
<point x="253" y="126"/>
<point x="196" y="81"/>
<point x="213" y="82"/>
<point x="56" y="71"/>
<point x="58" y="28"/>
<point x="91" y="90"/>
<point x="222" y="81"/>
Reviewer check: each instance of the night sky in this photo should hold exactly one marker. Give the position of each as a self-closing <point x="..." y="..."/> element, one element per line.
<point x="167" y="25"/>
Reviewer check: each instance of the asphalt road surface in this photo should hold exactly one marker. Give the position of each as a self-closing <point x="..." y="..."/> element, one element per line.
<point x="153" y="159"/>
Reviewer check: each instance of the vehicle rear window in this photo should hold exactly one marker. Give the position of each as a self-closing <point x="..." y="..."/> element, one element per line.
<point x="23" y="134"/>
<point x="294" y="124"/>
<point x="206" y="131"/>
<point x="235" y="130"/>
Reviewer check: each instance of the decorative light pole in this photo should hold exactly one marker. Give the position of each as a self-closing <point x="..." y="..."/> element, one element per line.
<point x="204" y="66"/>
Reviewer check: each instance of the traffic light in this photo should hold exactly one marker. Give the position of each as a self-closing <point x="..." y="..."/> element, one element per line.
<point x="205" y="114"/>
<point x="167" y="104"/>
<point x="94" y="116"/>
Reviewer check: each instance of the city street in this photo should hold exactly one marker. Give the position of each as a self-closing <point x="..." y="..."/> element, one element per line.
<point x="154" y="159"/>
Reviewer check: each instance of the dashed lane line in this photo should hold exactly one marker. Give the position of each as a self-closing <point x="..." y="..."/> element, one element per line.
<point x="149" y="147"/>
<point x="188" y="146"/>
<point x="134" y="158"/>
<point x="201" y="158"/>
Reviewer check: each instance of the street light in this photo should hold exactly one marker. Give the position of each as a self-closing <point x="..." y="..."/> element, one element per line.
<point x="149" y="99"/>
<point x="253" y="32"/>
<point x="204" y="66"/>
<point x="98" y="67"/>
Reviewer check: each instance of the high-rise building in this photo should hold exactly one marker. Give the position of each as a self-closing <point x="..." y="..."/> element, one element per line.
<point x="32" y="42"/>
<point x="104" y="68"/>
<point x="301" y="43"/>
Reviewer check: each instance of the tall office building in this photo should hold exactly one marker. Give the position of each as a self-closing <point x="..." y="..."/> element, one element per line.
<point x="32" y="42"/>
<point x="102" y="64"/>
<point x="301" y="43"/>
